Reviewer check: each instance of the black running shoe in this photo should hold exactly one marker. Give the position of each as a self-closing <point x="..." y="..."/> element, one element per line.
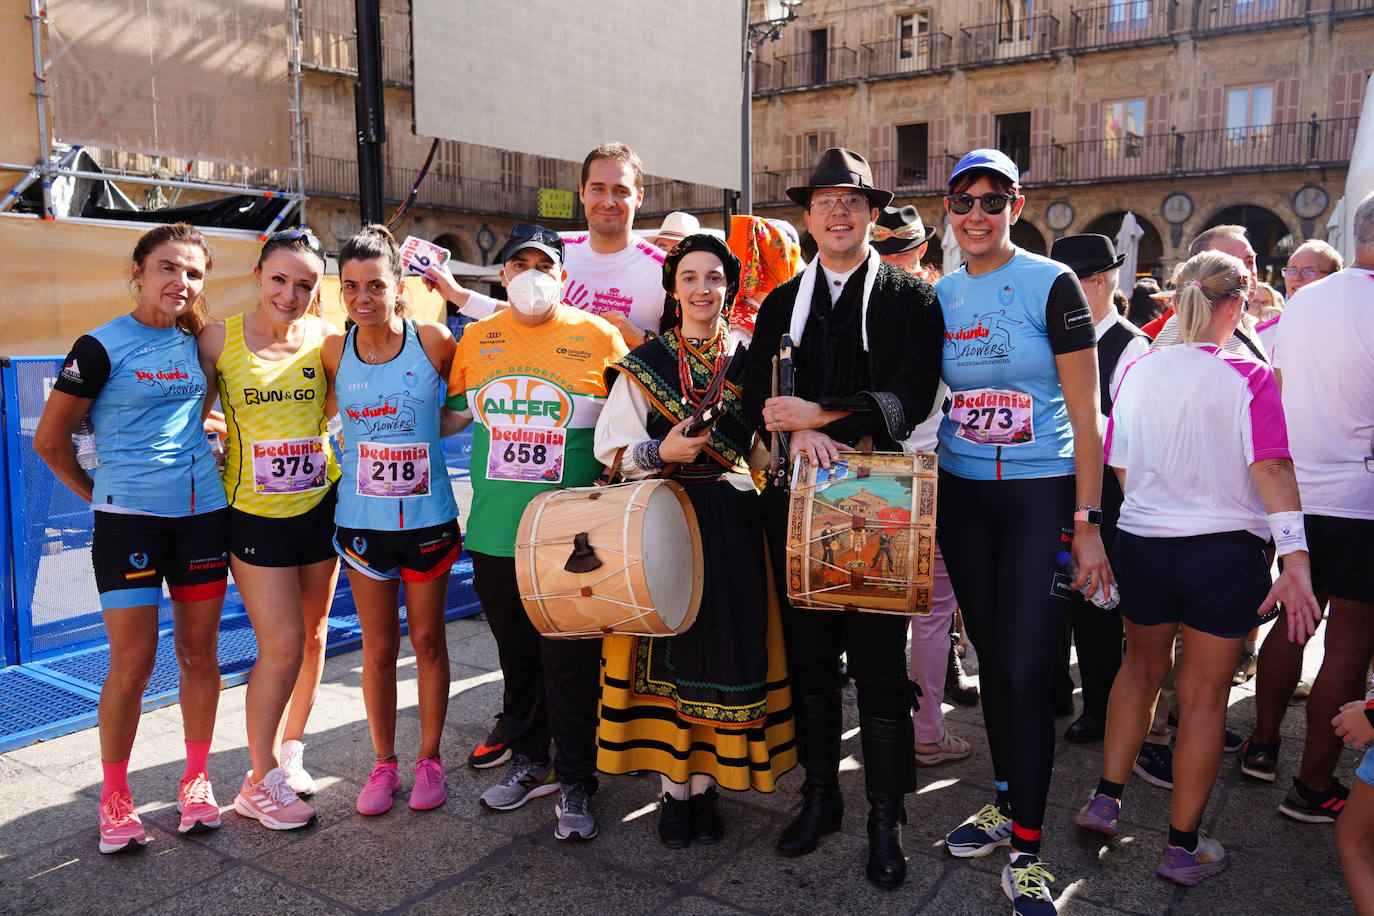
<point x="1312" y="807"/>
<point x="492" y="752"/>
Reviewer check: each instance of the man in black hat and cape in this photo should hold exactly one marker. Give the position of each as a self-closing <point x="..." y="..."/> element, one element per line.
<point x="867" y="341"/>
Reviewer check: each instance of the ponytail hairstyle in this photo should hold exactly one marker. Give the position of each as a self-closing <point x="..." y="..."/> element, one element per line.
<point x="198" y="315"/>
<point x="1205" y="282"/>
<point x="375" y="242"/>
<point x="298" y="239"/>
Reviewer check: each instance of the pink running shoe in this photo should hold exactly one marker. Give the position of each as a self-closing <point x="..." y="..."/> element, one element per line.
<point x="382" y="783"/>
<point x="431" y="786"/>
<point x="197" y="805"/>
<point x="272" y="803"/>
<point x="120" y="824"/>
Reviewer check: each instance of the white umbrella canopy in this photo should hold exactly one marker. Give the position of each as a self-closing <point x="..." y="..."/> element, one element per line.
<point x="1359" y="180"/>
<point x="1128" y="243"/>
<point x="954" y="255"/>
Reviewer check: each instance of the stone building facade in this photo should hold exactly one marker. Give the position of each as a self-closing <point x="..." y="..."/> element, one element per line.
<point x="1187" y="113"/>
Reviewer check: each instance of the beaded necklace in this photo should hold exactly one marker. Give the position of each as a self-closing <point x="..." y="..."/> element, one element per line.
<point x="692" y="394"/>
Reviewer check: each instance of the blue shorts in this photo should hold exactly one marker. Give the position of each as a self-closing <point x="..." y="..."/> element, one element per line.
<point x="1213" y="583"/>
<point x="1366" y="770"/>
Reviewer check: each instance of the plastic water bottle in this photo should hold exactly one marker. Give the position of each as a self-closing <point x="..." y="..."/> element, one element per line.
<point x="218" y="450"/>
<point x="1107" y="602"/>
<point x="83" y="438"/>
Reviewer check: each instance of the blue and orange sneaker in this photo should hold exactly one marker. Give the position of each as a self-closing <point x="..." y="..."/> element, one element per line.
<point x="1188" y="868"/>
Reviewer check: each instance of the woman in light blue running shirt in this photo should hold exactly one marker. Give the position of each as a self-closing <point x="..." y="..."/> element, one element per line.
<point x="160" y="512"/>
<point x="396" y="519"/>
<point x="1020" y="482"/>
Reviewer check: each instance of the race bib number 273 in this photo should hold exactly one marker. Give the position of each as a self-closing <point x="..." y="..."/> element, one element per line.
<point x="992" y="416"/>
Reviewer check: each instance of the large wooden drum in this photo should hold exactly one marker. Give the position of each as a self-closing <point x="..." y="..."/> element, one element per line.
<point x="861" y="534"/>
<point x="623" y="559"/>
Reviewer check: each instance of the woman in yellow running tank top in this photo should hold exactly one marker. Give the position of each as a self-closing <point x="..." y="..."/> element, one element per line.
<point x="280" y="477"/>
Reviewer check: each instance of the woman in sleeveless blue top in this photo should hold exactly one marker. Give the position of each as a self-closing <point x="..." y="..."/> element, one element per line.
<point x="1020" y="481"/>
<point x="160" y="512"/>
<point x="396" y="518"/>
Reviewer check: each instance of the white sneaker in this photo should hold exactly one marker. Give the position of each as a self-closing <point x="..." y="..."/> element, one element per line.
<point x="292" y="761"/>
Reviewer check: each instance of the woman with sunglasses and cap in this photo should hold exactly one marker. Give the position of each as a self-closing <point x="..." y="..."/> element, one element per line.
<point x="280" y="477"/>
<point x="1020" y="481"/>
<point x="710" y="706"/>
<point x="1200" y="444"/>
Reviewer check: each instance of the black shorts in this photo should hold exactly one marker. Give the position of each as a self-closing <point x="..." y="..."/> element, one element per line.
<point x="1213" y="583"/>
<point x="1342" y="551"/>
<point x="134" y="554"/>
<point x="296" y="541"/>
<point x="418" y="555"/>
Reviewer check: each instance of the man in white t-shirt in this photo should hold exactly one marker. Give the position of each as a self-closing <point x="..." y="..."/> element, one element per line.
<point x="612" y="272"/>
<point x="1324" y="357"/>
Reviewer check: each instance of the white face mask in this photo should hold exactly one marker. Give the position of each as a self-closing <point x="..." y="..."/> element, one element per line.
<point x="534" y="293"/>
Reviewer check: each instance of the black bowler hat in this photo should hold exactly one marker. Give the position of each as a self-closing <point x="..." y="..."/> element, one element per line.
<point x="900" y="229"/>
<point x="1086" y="254"/>
<point x="841" y="168"/>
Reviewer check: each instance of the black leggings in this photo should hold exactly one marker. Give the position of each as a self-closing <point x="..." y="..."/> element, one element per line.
<point x="1000" y="539"/>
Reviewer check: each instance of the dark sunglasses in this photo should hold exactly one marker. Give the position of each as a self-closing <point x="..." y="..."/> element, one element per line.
<point x="299" y="234"/>
<point x="992" y="203"/>
<point x="524" y="232"/>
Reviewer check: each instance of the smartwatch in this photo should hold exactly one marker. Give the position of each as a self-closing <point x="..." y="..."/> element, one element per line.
<point x="1090" y="514"/>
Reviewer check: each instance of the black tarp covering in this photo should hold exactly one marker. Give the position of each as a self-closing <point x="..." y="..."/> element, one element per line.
<point x="93" y="198"/>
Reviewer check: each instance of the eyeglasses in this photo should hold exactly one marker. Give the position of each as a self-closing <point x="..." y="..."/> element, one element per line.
<point x="299" y="234"/>
<point x="848" y="202"/>
<point x="906" y="233"/>
<point x="1305" y="273"/>
<point x="992" y="203"/>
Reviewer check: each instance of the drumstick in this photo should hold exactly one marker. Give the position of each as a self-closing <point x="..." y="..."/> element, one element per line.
<point x="775" y="446"/>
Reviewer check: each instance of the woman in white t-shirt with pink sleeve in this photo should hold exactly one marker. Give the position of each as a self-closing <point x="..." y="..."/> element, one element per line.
<point x="1198" y="438"/>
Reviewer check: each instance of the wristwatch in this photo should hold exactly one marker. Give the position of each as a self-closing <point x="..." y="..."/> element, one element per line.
<point x="1090" y="514"/>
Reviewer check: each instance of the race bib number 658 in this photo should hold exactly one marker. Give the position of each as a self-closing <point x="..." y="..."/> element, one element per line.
<point x="992" y="416"/>
<point x="526" y="453"/>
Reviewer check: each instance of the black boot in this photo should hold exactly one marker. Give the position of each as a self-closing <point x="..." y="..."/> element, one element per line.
<point x="707" y="826"/>
<point x="818" y="749"/>
<point x="890" y="773"/>
<point x="675" y="822"/>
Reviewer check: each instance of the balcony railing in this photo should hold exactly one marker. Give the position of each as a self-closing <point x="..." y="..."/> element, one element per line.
<point x="1012" y="39"/>
<point x="1122" y="23"/>
<point x="328" y="49"/>
<point x="1265" y="148"/>
<point x="794" y="71"/>
<point x="907" y="55"/>
<point x="1261" y="148"/>
<point x="1343" y="8"/>
<point x="1240" y="14"/>
<point x="335" y="176"/>
<point x="663" y="196"/>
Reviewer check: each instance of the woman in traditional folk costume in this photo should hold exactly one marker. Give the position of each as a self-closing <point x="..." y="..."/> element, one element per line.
<point x="710" y="706"/>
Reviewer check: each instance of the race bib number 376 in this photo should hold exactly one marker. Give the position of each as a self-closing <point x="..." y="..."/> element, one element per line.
<point x="533" y="454"/>
<point x="289" y="465"/>
<point x="393" y="470"/>
<point x="991" y="416"/>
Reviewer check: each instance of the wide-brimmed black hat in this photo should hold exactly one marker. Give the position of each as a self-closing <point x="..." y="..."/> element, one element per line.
<point x="900" y="229"/>
<point x="1086" y="254"/>
<point x="841" y="168"/>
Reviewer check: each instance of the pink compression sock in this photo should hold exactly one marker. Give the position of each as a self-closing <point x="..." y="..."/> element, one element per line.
<point x="197" y="758"/>
<point x="115" y="778"/>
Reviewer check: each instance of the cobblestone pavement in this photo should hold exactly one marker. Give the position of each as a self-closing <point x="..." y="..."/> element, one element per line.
<point x="464" y="859"/>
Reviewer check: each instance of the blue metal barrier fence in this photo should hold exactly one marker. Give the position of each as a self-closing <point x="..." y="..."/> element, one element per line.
<point x="53" y="655"/>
